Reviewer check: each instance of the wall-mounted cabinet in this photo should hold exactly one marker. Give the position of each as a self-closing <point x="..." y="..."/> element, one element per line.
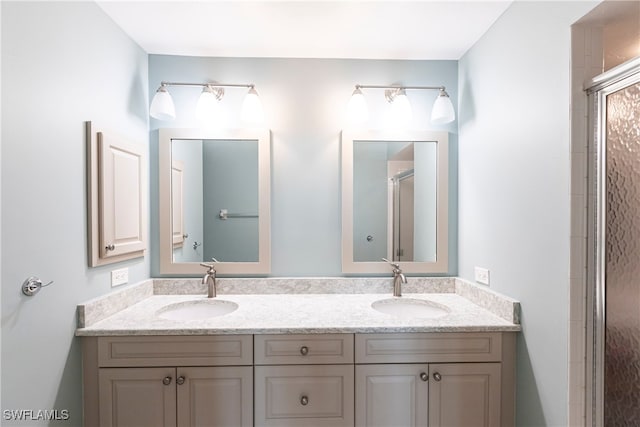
<point x="117" y="197"/>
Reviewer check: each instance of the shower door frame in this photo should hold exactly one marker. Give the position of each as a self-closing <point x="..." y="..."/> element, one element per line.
<point x="599" y="88"/>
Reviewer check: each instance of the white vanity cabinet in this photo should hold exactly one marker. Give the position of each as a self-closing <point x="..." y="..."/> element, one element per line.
<point x="304" y="380"/>
<point x="168" y="381"/>
<point x="435" y="379"/>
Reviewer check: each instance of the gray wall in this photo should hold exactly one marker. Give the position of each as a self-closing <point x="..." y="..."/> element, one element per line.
<point x="230" y="177"/>
<point x="514" y="187"/>
<point x="62" y="64"/>
<point x="305" y="104"/>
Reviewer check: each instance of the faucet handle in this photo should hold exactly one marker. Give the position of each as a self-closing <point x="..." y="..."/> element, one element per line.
<point x="393" y="264"/>
<point x="211" y="267"/>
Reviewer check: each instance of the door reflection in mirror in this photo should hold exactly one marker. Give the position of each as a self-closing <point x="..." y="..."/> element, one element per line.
<point x="394" y="200"/>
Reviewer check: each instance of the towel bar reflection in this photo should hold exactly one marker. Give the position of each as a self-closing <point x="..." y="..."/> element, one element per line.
<point x="224" y="214"/>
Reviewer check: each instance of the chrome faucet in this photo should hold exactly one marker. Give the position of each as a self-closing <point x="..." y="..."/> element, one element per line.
<point x="210" y="278"/>
<point x="398" y="278"/>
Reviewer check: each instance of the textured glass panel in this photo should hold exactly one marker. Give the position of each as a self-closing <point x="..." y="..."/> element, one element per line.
<point x="622" y="342"/>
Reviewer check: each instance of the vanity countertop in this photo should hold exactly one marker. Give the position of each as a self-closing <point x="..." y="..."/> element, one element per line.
<point x="297" y="306"/>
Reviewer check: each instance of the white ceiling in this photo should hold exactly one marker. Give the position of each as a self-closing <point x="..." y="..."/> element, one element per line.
<point x="307" y="29"/>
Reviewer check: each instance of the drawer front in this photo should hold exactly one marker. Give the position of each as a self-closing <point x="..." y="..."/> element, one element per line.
<point x="303" y="349"/>
<point x="428" y="347"/>
<point x="311" y="395"/>
<point x="175" y="351"/>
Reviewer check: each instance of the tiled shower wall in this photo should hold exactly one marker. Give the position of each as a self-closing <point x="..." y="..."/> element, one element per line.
<point x="586" y="63"/>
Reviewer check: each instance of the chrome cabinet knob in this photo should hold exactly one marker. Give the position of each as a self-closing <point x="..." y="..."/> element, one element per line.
<point x="304" y="350"/>
<point x="304" y="400"/>
<point x="166" y="380"/>
<point x="180" y="380"/>
<point x="437" y="376"/>
<point x="110" y="247"/>
<point x="424" y="376"/>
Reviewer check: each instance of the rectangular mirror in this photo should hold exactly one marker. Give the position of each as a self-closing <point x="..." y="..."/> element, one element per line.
<point x="394" y="201"/>
<point x="214" y="194"/>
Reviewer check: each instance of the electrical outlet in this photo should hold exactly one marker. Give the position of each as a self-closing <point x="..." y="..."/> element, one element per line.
<point x="119" y="277"/>
<point x="482" y="275"/>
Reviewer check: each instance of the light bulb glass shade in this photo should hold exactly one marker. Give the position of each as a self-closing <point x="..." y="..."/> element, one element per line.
<point x="357" y="111"/>
<point x="442" y="111"/>
<point x="162" y="107"/>
<point x="207" y="106"/>
<point x="252" y="107"/>
<point x="401" y="109"/>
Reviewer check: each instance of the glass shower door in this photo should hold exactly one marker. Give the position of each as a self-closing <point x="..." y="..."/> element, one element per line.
<point x="621" y="131"/>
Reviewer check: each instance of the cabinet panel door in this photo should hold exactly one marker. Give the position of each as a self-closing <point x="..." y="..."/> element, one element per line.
<point x="122" y="202"/>
<point x="392" y="395"/>
<point x="137" y="397"/>
<point x="215" y="397"/>
<point x="304" y="395"/>
<point x="464" y="395"/>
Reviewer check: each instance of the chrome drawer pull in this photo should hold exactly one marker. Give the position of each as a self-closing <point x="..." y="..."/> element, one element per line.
<point x="180" y="380"/>
<point x="166" y="380"/>
<point x="424" y="376"/>
<point x="304" y="400"/>
<point x="304" y="350"/>
<point x="437" y="376"/>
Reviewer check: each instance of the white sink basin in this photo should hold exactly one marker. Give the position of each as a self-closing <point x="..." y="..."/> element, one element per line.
<point x="410" y="308"/>
<point x="197" y="310"/>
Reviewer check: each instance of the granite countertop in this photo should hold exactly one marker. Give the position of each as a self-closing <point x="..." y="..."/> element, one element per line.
<point x="278" y="306"/>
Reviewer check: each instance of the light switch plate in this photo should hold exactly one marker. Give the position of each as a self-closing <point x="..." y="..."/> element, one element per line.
<point x="119" y="277"/>
<point x="482" y="275"/>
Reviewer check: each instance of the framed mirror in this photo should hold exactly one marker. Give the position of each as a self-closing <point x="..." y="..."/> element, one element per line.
<point x="214" y="200"/>
<point x="395" y="201"/>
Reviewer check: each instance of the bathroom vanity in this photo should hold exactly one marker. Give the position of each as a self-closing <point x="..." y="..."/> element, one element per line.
<point x="282" y="358"/>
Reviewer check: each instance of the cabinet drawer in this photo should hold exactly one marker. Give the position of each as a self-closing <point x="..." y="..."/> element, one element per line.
<point x="175" y="351"/>
<point x="303" y="349"/>
<point x="428" y="347"/>
<point x="311" y="395"/>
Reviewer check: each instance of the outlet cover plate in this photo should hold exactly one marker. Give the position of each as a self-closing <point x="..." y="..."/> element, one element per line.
<point x="119" y="277"/>
<point x="482" y="275"/>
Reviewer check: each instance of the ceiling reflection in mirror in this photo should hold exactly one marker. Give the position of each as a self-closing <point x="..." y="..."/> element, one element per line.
<point x="215" y="200"/>
<point x="395" y="201"/>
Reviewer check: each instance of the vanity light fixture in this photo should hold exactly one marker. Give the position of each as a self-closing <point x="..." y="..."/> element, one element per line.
<point x="162" y="107"/>
<point x="400" y="106"/>
<point x="357" y="110"/>
<point x="442" y="111"/>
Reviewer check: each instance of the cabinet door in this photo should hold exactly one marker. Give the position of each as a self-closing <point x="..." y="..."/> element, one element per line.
<point x="215" y="396"/>
<point x="304" y="396"/>
<point x="392" y="395"/>
<point x="137" y="397"/>
<point x="464" y="395"/>
<point x="122" y="196"/>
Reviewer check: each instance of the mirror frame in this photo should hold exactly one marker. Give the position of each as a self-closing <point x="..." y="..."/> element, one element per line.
<point x="441" y="265"/>
<point x="263" y="265"/>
